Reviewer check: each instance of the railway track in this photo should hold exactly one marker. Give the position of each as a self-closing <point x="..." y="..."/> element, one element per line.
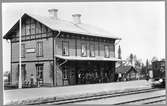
<point x="149" y="100"/>
<point x="100" y="96"/>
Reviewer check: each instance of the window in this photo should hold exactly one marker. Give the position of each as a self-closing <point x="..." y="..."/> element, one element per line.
<point x="112" y="48"/>
<point x="22" y="50"/>
<point x="106" y="51"/>
<point x="32" y="28"/>
<point x="23" y="31"/>
<point x="65" y="48"/>
<point x="28" y="29"/>
<point x="83" y="50"/>
<point x="38" y="28"/>
<point x="43" y="29"/>
<point x="39" y="48"/>
<point x="92" y="50"/>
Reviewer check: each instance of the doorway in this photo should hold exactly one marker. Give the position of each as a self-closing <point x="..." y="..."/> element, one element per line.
<point x="39" y="74"/>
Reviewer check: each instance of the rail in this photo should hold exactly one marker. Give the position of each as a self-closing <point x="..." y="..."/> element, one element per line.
<point x="95" y="97"/>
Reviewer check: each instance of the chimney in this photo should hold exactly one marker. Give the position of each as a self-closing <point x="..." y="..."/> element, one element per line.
<point x="53" y="13"/>
<point x="76" y="18"/>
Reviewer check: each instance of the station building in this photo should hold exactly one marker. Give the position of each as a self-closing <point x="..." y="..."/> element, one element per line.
<point x="56" y="52"/>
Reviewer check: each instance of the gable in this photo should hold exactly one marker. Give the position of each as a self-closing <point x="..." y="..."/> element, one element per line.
<point x="125" y="69"/>
<point x="132" y="70"/>
<point x="30" y="26"/>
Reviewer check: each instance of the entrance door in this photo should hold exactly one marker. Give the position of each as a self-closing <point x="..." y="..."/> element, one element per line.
<point x="65" y="75"/>
<point x="39" y="74"/>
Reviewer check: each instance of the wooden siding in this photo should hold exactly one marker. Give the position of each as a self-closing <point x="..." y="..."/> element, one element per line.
<point x="47" y="50"/>
<point x="75" y="46"/>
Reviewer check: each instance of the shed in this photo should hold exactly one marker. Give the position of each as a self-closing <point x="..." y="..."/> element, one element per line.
<point x="127" y="73"/>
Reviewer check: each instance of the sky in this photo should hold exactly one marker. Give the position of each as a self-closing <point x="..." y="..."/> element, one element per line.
<point x="140" y="25"/>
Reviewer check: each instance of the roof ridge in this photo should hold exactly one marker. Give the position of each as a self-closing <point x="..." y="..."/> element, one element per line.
<point x="68" y="26"/>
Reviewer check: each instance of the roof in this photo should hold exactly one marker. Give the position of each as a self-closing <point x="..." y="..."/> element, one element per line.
<point x="124" y="69"/>
<point x="87" y="58"/>
<point x="67" y="26"/>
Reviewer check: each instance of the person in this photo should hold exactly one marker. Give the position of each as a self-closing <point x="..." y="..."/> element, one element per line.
<point x="147" y="77"/>
<point x="115" y="77"/>
<point x="119" y="76"/>
<point x="32" y="80"/>
<point x="38" y="80"/>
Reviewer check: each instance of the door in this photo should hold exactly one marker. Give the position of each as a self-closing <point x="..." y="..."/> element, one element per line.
<point x="39" y="74"/>
<point x="65" y="75"/>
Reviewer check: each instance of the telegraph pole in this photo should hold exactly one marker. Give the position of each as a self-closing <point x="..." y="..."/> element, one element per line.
<point x="20" y="76"/>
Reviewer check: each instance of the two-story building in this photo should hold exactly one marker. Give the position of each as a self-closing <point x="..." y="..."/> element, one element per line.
<point x="58" y="52"/>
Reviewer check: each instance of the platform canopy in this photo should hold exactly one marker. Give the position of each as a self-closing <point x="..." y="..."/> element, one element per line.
<point x="78" y="58"/>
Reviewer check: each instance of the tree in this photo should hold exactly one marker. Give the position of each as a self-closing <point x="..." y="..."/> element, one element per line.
<point x="143" y="70"/>
<point x="154" y="59"/>
<point x="131" y="58"/>
<point x="138" y="63"/>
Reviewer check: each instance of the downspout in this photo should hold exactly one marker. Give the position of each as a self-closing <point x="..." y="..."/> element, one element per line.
<point x="59" y="31"/>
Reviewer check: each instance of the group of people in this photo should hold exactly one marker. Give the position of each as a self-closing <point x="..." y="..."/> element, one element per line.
<point x="31" y="82"/>
<point x="92" y="77"/>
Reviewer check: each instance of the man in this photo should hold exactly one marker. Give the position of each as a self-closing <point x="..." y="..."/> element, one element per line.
<point x="32" y="80"/>
<point x="119" y="76"/>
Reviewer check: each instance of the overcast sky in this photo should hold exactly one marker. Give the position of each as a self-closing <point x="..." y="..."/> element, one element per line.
<point x="141" y="25"/>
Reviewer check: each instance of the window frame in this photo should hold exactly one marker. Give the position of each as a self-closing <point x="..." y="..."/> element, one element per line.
<point x="28" y="29"/>
<point x="63" y="45"/>
<point x="85" y="48"/>
<point x="37" y="49"/>
<point x="105" y="51"/>
<point x="23" y="51"/>
<point x="92" y="44"/>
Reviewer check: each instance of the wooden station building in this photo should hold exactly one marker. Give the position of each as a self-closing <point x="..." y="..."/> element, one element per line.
<point x="57" y="52"/>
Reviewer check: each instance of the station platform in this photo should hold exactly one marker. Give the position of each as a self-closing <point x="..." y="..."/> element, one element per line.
<point x="31" y="95"/>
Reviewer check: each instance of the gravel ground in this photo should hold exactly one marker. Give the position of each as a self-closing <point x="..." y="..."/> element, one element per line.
<point x="31" y="95"/>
